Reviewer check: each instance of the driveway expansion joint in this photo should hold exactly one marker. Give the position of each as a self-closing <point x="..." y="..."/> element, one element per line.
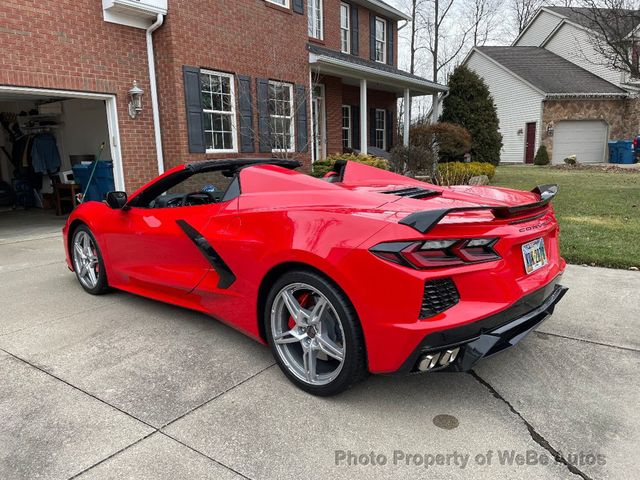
<point x="536" y="437"/>
<point x="619" y="347"/>
<point x="204" y="455"/>
<point x="112" y="455"/>
<point x="215" y="397"/>
<point x="155" y="429"/>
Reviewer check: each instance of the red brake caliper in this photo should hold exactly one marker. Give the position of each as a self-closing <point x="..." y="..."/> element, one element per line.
<point x="303" y="300"/>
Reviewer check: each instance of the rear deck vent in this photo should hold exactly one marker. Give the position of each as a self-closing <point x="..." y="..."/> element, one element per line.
<point x="413" y="192"/>
<point x="439" y="295"/>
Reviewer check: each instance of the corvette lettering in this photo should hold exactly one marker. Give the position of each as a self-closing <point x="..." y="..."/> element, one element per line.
<point x="534" y="227"/>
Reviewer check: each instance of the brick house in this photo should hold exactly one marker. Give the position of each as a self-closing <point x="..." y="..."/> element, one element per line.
<point x="293" y="78"/>
<point x="552" y="87"/>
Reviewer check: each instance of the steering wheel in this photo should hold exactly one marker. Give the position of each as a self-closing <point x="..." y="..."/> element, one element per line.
<point x="197" y="198"/>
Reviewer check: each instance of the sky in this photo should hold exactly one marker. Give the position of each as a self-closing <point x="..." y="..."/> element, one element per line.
<point x="502" y="33"/>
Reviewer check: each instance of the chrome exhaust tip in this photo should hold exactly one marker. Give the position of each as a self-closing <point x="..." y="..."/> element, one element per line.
<point x="449" y="356"/>
<point x="427" y="362"/>
<point x="442" y="359"/>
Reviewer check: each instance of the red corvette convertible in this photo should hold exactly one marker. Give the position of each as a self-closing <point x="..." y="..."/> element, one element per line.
<point x="363" y="271"/>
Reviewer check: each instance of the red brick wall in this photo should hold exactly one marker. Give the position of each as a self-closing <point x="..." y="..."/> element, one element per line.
<point x="234" y="39"/>
<point x="332" y="29"/>
<point x="250" y="37"/>
<point x="67" y="45"/>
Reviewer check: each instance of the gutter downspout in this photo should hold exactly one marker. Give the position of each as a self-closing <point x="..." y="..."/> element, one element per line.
<point x="154" y="91"/>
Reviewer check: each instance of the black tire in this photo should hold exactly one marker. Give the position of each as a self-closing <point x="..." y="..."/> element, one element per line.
<point x="354" y="364"/>
<point x="101" y="286"/>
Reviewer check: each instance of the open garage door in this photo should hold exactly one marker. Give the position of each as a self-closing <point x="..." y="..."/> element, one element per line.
<point x="44" y="134"/>
<point x="586" y="139"/>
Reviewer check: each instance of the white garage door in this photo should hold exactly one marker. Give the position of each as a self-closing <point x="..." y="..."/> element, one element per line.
<point x="586" y="139"/>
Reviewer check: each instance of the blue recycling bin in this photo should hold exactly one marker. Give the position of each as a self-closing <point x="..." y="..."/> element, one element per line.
<point x="614" y="152"/>
<point x="626" y="153"/>
<point x="101" y="183"/>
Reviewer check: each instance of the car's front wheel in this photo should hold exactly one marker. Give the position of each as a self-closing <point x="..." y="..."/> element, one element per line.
<point x="87" y="261"/>
<point x="314" y="333"/>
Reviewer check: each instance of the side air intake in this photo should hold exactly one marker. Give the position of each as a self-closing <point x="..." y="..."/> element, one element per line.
<point x="413" y="192"/>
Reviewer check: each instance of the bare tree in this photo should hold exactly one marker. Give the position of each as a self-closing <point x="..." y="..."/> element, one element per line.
<point x="524" y="10"/>
<point x="614" y="33"/>
<point x="483" y="17"/>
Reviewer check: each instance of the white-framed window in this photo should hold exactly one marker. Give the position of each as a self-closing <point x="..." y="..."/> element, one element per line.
<point x="217" y="91"/>
<point x="381" y="129"/>
<point x="381" y="40"/>
<point x="346" y="126"/>
<point x="315" y="19"/>
<point x="281" y="116"/>
<point x="345" y="28"/>
<point x="282" y="3"/>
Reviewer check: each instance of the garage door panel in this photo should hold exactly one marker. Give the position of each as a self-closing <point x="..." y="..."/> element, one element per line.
<point x="586" y="139"/>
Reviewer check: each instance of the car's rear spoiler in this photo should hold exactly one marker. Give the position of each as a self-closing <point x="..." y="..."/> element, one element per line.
<point x="425" y="221"/>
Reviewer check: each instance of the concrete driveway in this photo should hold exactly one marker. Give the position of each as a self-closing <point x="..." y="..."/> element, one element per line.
<point x="123" y="387"/>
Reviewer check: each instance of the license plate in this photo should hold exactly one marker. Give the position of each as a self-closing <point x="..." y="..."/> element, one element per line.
<point x="534" y="255"/>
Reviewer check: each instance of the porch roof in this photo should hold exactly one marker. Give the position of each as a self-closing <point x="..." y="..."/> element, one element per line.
<point x="383" y="76"/>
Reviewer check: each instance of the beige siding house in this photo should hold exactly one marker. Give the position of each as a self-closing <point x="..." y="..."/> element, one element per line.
<point x="517" y="102"/>
<point x="552" y="88"/>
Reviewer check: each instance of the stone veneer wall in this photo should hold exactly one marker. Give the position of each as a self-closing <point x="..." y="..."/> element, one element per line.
<point x="622" y="116"/>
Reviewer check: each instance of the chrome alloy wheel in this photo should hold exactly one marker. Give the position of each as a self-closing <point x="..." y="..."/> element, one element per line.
<point x="85" y="259"/>
<point x="308" y="334"/>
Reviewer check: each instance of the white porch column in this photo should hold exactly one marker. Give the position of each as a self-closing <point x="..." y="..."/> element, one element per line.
<point x="407" y="117"/>
<point x="364" y="128"/>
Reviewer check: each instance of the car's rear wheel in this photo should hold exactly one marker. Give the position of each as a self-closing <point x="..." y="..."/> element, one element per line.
<point x="87" y="261"/>
<point x="314" y="333"/>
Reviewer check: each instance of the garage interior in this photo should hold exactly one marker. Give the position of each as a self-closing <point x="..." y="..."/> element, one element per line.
<point x="41" y="139"/>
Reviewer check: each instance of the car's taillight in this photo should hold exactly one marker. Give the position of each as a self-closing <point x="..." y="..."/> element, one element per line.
<point x="438" y="253"/>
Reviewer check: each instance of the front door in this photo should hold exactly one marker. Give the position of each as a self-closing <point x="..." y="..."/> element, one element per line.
<point x="530" y="145"/>
<point x="318" y="118"/>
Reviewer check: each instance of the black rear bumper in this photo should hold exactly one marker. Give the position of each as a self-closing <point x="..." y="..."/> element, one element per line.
<point x="489" y="335"/>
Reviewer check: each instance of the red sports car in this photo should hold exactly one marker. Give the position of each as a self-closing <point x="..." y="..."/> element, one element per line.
<point x="363" y="271"/>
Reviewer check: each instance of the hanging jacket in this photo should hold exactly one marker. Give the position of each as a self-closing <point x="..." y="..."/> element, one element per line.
<point x="44" y="154"/>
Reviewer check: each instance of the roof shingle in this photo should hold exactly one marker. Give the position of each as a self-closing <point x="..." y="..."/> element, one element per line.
<point x="549" y="72"/>
<point x="614" y="21"/>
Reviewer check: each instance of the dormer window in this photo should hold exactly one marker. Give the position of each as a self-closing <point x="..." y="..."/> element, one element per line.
<point x="381" y="40"/>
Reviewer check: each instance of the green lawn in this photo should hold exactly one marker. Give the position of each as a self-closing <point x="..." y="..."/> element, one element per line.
<point x="599" y="212"/>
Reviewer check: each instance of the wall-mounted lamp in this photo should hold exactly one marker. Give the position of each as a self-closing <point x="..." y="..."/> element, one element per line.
<point x="550" y="129"/>
<point x="520" y="132"/>
<point x="135" y="100"/>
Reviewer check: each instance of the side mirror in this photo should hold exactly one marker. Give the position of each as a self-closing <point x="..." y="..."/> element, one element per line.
<point x="116" y="200"/>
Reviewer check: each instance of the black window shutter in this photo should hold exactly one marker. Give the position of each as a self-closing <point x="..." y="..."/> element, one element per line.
<point x="193" y="102"/>
<point x="372" y="127"/>
<point x="246" y="114"/>
<point x="262" y="89"/>
<point x="372" y="36"/>
<point x="355" y="126"/>
<point x="390" y="42"/>
<point x="355" y="36"/>
<point x="389" y="125"/>
<point x="298" y="6"/>
<point x="302" y="127"/>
